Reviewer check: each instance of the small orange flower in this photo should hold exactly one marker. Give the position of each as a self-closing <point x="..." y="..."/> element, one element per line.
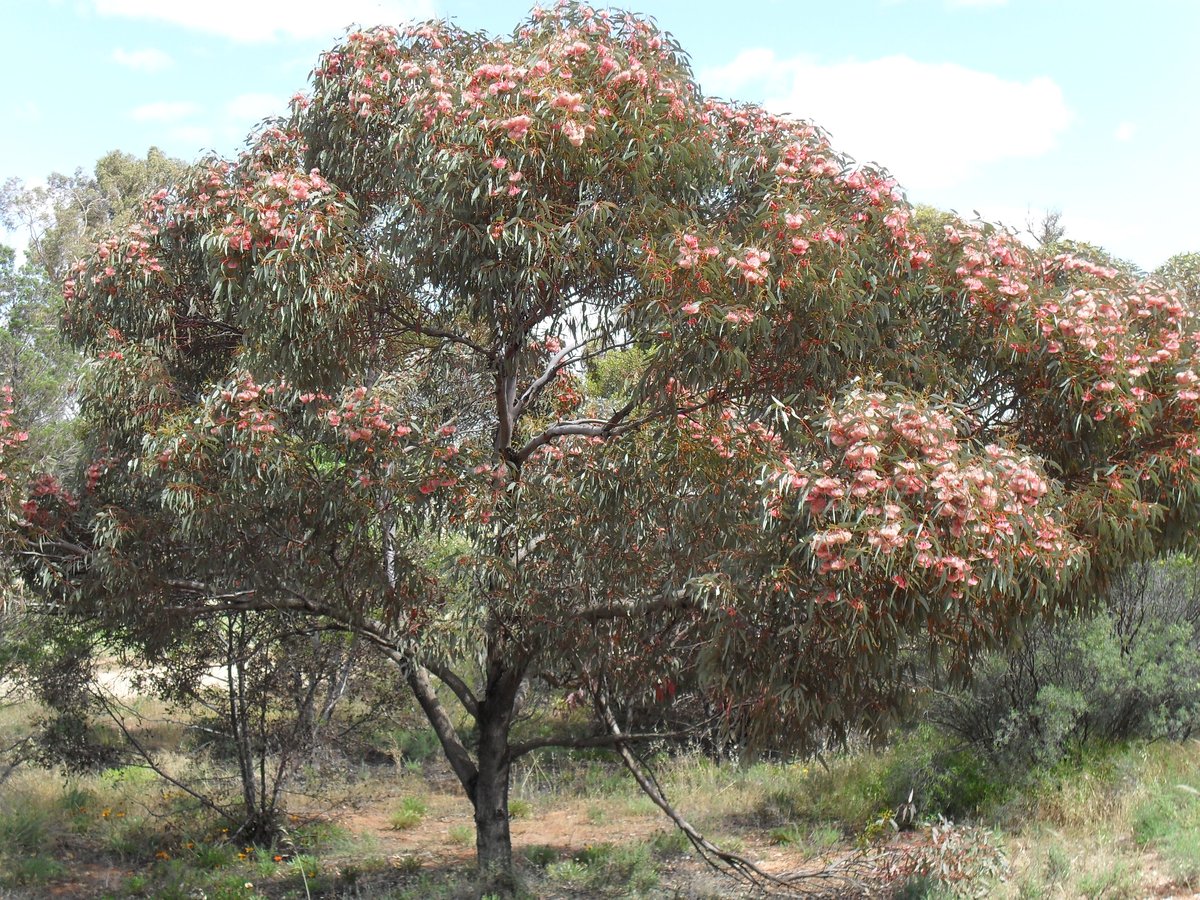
<point x="162" y="854"/>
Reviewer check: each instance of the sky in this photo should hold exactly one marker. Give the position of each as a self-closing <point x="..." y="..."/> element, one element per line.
<point x="1008" y="108"/>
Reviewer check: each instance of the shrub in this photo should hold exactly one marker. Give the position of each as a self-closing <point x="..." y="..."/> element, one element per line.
<point x="540" y="855"/>
<point x="416" y="745"/>
<point x="412" y="810"/>
<point x="1131" y="669"/>
<point x="859" y="790"/>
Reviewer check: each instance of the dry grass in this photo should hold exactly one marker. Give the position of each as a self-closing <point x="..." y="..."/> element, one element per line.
<point x="1118" y="825"/>
<point x="1114" y="825"/>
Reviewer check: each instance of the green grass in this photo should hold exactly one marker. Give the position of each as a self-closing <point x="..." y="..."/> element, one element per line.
<point x="214" y="856"/>
<point x="35" y="869"/>
<point x="540" y="855"/>
<point x="597" y="813"/>
<point x="411" y="813"/>
<point x="25" y="829"/>
<point x="604" y="865"/>
<point x="1168" y="820"/>
<point x="1113" y="882"/>
<point x="672" y="842"/>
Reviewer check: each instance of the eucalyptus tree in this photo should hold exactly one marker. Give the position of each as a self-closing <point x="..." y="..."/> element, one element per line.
<point x="346" y="374"/>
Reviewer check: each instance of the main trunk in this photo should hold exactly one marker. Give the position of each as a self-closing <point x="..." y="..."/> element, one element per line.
<point x="493" y="840"/>
<point x="489" y="791"/>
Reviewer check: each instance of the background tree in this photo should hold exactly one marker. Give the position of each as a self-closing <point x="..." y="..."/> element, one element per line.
<point x="62" y="220"/>
<point x="318" y="367"/>
<point x="36" y="362"/>
<point x="66" y="215"/>
<point x="55" y="655"/>
<point x="1182" y="272"/>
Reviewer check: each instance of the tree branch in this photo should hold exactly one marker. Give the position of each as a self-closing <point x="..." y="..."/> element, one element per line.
<point x="552" y="368"/>
<point x="731" y="864"/>
<point x="557" y="363"/>
<point x="444" y="335"/>
<point x="601" y="428"/>
<point x="119" y="721"/>
<point x="416" y="674"/>
<point x="597" y="740"/>
<point x="675" y="600"/>
<point x="449" y="678"/>
<point x="456" y="753"/>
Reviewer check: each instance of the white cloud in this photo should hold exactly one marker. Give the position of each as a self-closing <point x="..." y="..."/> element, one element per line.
<point x="149" y="60"/>
<point x="163" y="111"/>
<point x="932" y="124"/>
<point x="195" y="136"/>
<point x="266" y="20"/>
<point x="250" y="108"/>
<point x="1125" y="132"/>
<point x="27" y="109"/>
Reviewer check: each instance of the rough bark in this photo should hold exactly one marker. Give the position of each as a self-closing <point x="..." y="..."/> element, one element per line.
<point x="489" y="791"/>
<point x="493" y="839"/>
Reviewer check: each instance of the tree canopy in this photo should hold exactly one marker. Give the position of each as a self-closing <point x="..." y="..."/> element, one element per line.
<point x="349" y="373"/>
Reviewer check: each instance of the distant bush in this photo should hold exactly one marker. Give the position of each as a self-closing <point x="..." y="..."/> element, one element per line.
<point x="1129" y="670"/>
<point x="861" y="791"/>
<point x="416" y="745"/>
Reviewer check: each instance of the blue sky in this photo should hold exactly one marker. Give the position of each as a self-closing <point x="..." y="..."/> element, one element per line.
<point x="1007" y="107"/>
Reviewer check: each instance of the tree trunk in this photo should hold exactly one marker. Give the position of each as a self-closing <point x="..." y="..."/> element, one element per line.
<point x="485" y="779"/>
<point x="489" y="791"/>
<point x="493" y="841"/>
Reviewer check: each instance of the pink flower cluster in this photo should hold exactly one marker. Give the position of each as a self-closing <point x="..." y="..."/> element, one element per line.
<point x="1119" y="342"/>
<point x="691" y="253"/>
<point x="362" y="418"/>
<point x="9" y="435"/>
<point x="904" y="492"/>
<point x="750" y="265"/>
<point x="564" y="75"/>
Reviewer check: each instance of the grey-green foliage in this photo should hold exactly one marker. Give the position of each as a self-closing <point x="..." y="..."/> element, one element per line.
<point x="35" y="361"/>
<point x="615" y="376"/>
<point x="66" y="215"/>
<point x="59" y="219"/>
<point x="1131" y="669"/>
<point x="1182" y="272"/>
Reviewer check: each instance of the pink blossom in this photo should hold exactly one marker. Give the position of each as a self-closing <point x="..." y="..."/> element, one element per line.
<point x="517" y="126"/>
<point x="565" y="100"/>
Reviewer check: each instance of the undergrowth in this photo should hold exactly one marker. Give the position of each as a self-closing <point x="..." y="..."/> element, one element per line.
<point x="1082" y="827"/>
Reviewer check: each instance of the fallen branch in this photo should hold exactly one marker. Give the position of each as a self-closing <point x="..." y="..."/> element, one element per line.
<point x="829" y="882"/>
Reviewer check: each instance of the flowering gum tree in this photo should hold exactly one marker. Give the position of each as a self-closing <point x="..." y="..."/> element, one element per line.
<point x="345" y="374"/>
<point x="10" y="438"/>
